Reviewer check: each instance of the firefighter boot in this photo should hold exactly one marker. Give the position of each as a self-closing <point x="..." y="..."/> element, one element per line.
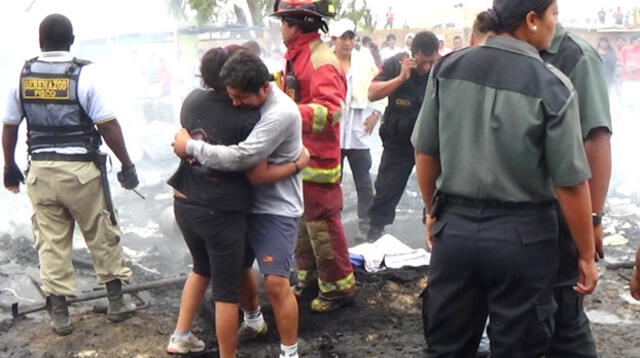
<point x="118" y="309"/>
<point x="59" y="312"/>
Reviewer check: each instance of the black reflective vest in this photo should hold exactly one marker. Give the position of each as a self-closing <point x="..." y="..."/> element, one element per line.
<point x="403" y="109"/>
<point x="55" y="117"/>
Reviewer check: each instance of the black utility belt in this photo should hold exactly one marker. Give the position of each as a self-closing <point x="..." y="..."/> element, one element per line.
<point x="63" y="157"/>
<point x="457" y="200"/>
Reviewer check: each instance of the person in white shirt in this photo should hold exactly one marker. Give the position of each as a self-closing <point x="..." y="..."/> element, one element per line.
<point x="390" y="49"/>
<point x="408" y="40"/>
<point x="359" y="115"/>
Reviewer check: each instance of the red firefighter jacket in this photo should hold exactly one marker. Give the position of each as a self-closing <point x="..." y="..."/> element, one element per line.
<point x="322" y="90"/>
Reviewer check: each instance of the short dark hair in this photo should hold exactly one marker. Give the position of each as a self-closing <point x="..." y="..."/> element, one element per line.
<point x="391" y="37"/>
<point x="245" y="71"/>
<point x="56" y="33"/>
<point x="366" y="40"/>
<point x="457" y="38"/>
<point x="211" y="64"/>
<point x="426" y="43"/>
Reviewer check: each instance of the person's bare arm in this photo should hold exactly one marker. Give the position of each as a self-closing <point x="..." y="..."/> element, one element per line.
<point x="370" y="122"/>
<point x="112" y="134"/>
<point x="266" y="172"/>
<point x="575" y="202"/>
<point x="427" y="171"/>
<point x="635" y="278"/>
<point x="382" y="89"/>
<point x="598" y="150"/>
<point x="9" y="141"/>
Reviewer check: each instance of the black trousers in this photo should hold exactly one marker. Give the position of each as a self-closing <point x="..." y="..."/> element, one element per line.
<point x="394" y="171"/>
<point x="496" y="262"/>
<point x="572" y="337"/>
<point x="360" y="164"/>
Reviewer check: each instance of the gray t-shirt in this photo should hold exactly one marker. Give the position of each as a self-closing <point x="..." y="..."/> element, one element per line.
<point x="278" y="137"/>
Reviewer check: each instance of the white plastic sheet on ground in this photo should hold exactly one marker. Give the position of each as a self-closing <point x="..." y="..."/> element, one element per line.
<point x="389" y="252"/>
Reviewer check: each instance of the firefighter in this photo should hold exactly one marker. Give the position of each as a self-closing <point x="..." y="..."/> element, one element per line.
<point x="582" y="64"/>
<point x="66" y="117"/>
<point x="315" y="80"/>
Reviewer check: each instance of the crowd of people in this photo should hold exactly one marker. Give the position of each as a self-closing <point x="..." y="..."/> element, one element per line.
<point x="619" y="16"/>
<point x="509" y="138"/>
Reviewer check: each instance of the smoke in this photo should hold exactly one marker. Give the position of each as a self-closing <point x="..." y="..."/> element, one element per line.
<point x="149" y="70"/>
<point x="625" y="109"/>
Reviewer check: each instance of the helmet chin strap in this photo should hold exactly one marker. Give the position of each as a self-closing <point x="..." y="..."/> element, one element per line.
<point x="323" y="26"/>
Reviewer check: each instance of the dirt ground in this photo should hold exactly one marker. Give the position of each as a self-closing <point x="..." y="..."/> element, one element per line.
<point x="384" y="322"/>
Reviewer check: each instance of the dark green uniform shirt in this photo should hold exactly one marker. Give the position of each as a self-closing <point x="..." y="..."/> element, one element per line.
<point x="578" y="60"/>
<point x="504" y="125"/>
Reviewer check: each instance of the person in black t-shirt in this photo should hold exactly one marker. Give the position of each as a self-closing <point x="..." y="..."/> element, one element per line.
<point x="210" y="207"/>
<point x="404" y="80"/>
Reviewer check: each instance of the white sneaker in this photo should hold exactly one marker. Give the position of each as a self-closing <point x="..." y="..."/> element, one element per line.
<point x="179" y="345"/>
<point x="284" y="355"/>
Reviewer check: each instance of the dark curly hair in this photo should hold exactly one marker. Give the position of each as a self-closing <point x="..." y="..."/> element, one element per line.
<point x="425" y="43"/>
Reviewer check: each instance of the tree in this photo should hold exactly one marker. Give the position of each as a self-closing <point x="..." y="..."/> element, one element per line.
<point x="359" y="12"/>
<point x="260" y="9"/>
<point x="205" y="13"/>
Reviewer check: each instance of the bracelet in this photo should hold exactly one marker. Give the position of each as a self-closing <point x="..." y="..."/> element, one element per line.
<point x="297" y="167"/>
<point x="596" y="219"/>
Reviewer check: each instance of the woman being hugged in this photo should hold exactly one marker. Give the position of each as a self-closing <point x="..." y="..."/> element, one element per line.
<point x="210" y="206"/>
<point x="490" y="169"/>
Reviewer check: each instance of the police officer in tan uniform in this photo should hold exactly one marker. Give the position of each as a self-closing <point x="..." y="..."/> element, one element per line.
<point x="66" y="116"/>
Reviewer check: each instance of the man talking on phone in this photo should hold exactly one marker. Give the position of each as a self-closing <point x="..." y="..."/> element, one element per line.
<point x="404" y="80"/>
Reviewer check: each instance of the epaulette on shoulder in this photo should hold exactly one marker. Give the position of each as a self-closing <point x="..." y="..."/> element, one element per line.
<point x="321" y="55"/>
<point x="80" y="62"/>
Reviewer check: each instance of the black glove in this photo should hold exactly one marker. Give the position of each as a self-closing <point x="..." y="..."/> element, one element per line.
<point x="13" y="176"/>
<point x="128" y="177"/>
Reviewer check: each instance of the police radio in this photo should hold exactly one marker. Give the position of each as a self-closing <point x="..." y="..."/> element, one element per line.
<point x="291" y="83"/>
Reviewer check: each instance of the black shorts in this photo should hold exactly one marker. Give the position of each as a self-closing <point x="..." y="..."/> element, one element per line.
<point x="216" y="240"/>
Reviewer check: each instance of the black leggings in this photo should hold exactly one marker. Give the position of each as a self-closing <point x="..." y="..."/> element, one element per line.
<point x="216" y="240"/>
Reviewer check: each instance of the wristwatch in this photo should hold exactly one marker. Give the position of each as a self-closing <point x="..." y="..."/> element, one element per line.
<point x="596" y="218"/>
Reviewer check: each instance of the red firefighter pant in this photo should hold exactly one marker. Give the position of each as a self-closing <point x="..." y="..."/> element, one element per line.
<point x="322" y="246"/>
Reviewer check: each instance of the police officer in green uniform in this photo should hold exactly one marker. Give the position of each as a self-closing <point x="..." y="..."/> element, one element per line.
<point x="403" y="80"/>
<point x="582" y="64"/>
<point x="498" y="136"/>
